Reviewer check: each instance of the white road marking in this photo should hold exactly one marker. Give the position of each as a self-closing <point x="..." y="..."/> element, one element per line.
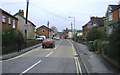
<point x="30" y="67"/>
<point x="58" y="45"/>
<point x="49" y="54"/>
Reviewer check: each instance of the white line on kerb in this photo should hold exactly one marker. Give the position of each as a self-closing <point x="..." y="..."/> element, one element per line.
<point x="30" y="67"/>
<point x="49" y="54"/>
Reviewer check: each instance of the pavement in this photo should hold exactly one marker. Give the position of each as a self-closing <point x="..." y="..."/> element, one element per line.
<point x="11" y="55"/>
<point x="93" y="62"/>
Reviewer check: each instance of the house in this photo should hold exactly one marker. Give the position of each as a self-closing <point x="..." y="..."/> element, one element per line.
<point x="112" y="18"/>
<point x="98" y="23"/>
<point x="94" y="23"/>
<point x="21" y="23"/>
<point x="8" y="21"/>
<point x="65" y="33"/>
<point x="84" y="30"/>
<point x="44" y="31"/>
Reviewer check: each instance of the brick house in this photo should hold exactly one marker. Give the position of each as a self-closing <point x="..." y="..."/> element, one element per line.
<point x="94" y="23"/>
<point x="21" y="23"/>
<point x="8" y="21"/>
<point x="112" y="18"/>
<point x="44" y="31"/>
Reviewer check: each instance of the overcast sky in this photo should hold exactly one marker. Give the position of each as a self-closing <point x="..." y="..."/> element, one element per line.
<point x="58" y="11"/>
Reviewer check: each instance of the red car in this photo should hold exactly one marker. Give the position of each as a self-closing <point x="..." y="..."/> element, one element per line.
<point x="48" y="43"/>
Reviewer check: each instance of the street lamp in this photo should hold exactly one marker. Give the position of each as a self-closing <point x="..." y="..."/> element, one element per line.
<point x="74" y="21"/>
<point x="26" y="20"/>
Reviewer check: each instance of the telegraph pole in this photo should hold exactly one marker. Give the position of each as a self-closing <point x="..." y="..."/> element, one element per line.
<point x="26" y="21"/>
<point x="48" y="28"/>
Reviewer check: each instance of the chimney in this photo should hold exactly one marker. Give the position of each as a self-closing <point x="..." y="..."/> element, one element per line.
<point x="21" y="12"/>
<point x="92" y="18"/>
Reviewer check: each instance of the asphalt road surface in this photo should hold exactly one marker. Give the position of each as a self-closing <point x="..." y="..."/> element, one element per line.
<point x="59" y="60"/>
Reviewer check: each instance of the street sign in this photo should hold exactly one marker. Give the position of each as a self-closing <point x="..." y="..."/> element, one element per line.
<point x="26" y="27"/>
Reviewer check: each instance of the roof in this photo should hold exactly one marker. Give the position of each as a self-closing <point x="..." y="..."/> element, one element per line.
<point x="43" y="26"/>
<point x="114" y="7"/>
<point x="24" y="18"/>
<point x="99" y="21"/>
<point x="8" y="13"/>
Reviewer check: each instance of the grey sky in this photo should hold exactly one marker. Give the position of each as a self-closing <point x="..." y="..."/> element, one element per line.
<point x="58" y="11"/>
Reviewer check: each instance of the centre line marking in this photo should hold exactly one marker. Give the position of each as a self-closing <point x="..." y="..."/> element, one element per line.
<point x="49" y="54"/>
<point x="30" y="67"/>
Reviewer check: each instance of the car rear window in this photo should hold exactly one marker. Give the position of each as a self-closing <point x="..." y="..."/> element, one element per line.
<point x="47" y="40"/>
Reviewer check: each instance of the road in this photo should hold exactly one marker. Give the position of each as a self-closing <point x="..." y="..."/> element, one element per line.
<point x="61" y="59"/>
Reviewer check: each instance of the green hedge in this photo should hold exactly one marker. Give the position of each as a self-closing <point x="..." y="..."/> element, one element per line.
<point x="114" y="52"/>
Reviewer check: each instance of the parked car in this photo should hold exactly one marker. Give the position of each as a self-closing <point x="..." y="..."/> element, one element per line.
<point x="41" y="38"/>
<point x="57" y="38"/>
<point x="48" y="43"/>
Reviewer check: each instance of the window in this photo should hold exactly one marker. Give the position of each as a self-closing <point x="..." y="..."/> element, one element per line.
<point x="119" y="12"/>
<point x="110" y="17"/>
<point x="43" y="30"/>
<point x="13" y="23"/>
<point x="9" y="20"/>
<point x="110" y="30"/>
<point x="4" y="19"/>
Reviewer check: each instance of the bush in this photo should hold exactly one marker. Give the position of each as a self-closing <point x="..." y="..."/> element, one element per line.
<point x="105" y="47"/>
<point x="114" y="52"/>
<point x="9" y="37"/>
<point x="95" y="34"/>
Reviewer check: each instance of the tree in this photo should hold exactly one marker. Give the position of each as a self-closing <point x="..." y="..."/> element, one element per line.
<point x="54" y="29"/>
<point x="95" y="34"/>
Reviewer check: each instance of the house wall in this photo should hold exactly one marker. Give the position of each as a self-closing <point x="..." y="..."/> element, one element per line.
<point x="31" y="28"/>
<point x="40" y="32"/>
<point x="6" y="26"/>
<point x="85" y="30"/>
<point x="115" y="15"/>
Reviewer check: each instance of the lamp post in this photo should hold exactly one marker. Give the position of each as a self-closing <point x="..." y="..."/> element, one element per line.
<point x="26" y="20"/>
<point x="74" y="21"/>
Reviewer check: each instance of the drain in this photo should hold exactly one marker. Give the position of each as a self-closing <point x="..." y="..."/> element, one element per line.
<point x="85" y="54"/>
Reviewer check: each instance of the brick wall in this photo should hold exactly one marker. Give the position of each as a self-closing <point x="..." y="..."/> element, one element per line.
<point x="6" y="26"/>
<point x="40" y="32"/>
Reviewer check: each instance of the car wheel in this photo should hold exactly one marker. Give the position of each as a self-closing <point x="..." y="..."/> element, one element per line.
<point x="43" y="46"/>
<point x="52" y="46"/>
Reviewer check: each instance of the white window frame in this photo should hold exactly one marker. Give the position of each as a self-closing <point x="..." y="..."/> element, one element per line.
<point x="110" y="16"/>
<point x="4" y="19"/>
<point x="43" y="30"/>
<point x="110" y="30"/>
<point x="13" y="23"/>
<point x="9" y="20"/>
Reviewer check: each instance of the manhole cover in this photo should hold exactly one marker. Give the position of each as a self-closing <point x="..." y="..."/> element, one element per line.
<point x="85" y="54"/>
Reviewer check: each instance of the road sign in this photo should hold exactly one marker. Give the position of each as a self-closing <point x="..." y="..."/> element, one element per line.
<point x="26" y="26"/>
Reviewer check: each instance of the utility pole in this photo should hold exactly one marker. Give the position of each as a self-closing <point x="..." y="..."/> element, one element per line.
<point x="71" y="29"/>
<point x="26" y="20"/>
<point x="48" y="28"/>
<point x="74" y="21"/>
